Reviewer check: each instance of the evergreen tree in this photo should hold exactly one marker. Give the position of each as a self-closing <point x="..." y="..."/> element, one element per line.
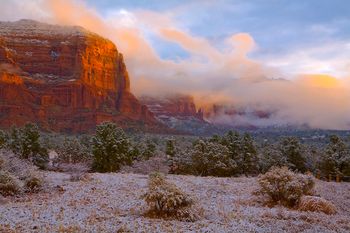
<point x="212" y="159"/>
<point x="31" y="148"/>
<point x="150" y="149"/>
<point x="73" y="151"/>
<point x="170" y="148"/>
<point x="111" y="148"/>
<point x="232" y="141"/>
<point x="292" y="149"/>
<point x="3" y="139"/>
<point x="248" y="163"/>
<point x="30" y="141"/>
<point x="14" y="142"/>
<point x="336" y="159"/>
<point x="271" y="156"/>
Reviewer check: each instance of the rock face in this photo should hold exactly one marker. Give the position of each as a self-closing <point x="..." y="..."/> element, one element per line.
<point x="176" y="106"/>
<point x="178" y="112"/>
<point x="65" y="79"/>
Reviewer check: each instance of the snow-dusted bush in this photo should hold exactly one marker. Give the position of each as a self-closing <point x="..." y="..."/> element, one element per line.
<point x="205" y="159"/>
<point x="33" y="183"/>
<point x="25" y="142"/>
<point x="111" y="148"/>
<point x="9" y="184"/>
<point x="170" y="149"/>
<point x="316" y="204"/>
<point x="282" y="186"/>
<point x="336" y="159"/>
<point x="165" y="200"/>
<point x="242" y="150"/>
<point x="73" y="151"/>
<point x="271" y="157"/>
<point x="143" y="150"/>
<point x="212" y="159"/>
<point x="3" y="139"/>
<point x="15" y="165"/>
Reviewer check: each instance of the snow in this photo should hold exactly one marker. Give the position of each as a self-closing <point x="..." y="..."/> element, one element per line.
<point x="26" y="27"/>
<point x="111" y="202"/>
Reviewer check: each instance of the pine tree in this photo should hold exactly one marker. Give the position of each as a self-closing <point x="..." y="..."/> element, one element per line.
<point x="73" y="151"/>
<point x="3" y="139"/>
<point x="170" y="148"/>
<point x="111" y="148"/>
<point x="249" y="158"/>
<point x="150" y="149"/>
<point x="212" y="159"/>
<point x="232" y="141"/>
<point x="30" y="144"/>
<point x="336" y="159"/>
<point x="292" y="149"/>
<point x="14" y="142"/>
<point x="272" y="157"/>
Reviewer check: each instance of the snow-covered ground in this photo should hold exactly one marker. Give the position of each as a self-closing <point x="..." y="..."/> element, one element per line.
<point x="111" y="203"/>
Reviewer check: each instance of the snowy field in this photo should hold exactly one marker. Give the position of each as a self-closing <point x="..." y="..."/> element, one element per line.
<point x="111" y="203"/>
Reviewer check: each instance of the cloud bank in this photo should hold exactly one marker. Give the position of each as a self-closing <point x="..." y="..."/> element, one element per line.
<point x="224" y="74"/>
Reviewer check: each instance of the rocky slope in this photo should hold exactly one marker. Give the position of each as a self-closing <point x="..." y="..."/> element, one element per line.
<point x="65" y="79"/>
<point x="178" y="112"/>
<point x="179" y="106"/>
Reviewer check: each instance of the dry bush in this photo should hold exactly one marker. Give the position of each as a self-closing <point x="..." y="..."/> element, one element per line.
<point x="282" y="186"/>
<point x="16" y="166"/>
<point x="33" y="183"/>
<point x="2" y="162"/>
<point x="316" y="204"/>
<point x="165" y="200"/>
<point x="9" y="184"/>
<point x="154" y="164"/>
<point x="76" y="177"/>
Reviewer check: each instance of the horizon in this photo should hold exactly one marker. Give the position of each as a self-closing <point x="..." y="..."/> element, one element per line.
<point x="228" y="52"/>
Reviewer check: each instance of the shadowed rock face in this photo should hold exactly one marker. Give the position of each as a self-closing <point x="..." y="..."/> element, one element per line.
<point x="176" y="106"/>
<point x="65" y="79"/>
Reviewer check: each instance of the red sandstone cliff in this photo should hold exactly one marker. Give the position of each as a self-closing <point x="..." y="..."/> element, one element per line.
<point x="176" y="106"/>
<point x="65" y="79"/>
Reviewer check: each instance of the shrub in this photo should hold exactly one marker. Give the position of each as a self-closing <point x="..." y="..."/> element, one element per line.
<point x="150" y="150"/>
<point x="2" y="162"/>
<point x="14" y="142"/>
<point x="170" y="149"/>
<point x="15" y="165"/>
<point x="316" y="204"/>
<point x="165" y="200"/>
<point x="282" y="186"/>
<point x="25" y="142"/>
<point x="111" y="148"/>
<point x="30" y="144"/>
<point x="3" y="139"/>
<point x="9" y="184"/>
<point x="73" y="151"/>
<point x="33" y="184"/>
<point x="212" y="159"/>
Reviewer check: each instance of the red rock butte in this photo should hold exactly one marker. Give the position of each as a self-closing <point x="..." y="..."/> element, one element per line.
<point x="65" y="79"/>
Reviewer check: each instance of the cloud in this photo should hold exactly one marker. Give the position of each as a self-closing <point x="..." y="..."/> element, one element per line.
<point x="224" y="74"/>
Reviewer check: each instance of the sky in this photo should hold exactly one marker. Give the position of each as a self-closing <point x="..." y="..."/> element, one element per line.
<point x="287" y="57"/>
